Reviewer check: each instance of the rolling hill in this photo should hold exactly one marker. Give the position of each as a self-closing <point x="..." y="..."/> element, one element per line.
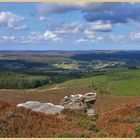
<point x="120" y="83"/>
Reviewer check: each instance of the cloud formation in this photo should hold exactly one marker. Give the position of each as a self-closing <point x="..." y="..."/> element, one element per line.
<point x="101" y="26"/>
<point x="12" y="21"/>
<point x="94" y="23"/>
<point x="134" y="36"/>
<point x="7" y="38"/>
<point x="117" y="38"/>
<point x="105" y="12"/>
<point x="71" y="28"/>
<point x="35" y="37"/>
<point x="116" y="14"/>
<point x="64" y="7"/>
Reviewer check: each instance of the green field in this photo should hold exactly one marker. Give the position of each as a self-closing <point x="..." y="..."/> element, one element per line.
<point x="120" y="83"/>
<point x="67" y="66"/>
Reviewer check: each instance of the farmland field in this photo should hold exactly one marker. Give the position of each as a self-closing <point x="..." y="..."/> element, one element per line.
<point x="47" y="77"/>
<point x="66" y="66"/>
<point x="70" y="70"/>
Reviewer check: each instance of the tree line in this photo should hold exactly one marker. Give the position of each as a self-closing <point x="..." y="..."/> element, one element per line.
<point x="11" y="80"/>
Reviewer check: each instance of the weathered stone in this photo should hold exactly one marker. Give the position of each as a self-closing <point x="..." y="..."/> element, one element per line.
<point x="78" y="101"/>
<point x="47" y="108"/>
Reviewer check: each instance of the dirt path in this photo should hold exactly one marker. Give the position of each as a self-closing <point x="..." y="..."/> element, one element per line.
<point x="55" y="87"/>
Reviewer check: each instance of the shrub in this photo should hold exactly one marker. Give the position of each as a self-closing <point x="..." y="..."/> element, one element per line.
<point x="137" y="130"/>
<point x="64" y="135"/>
<point x="22" y="122"/>
<point x="87" y="124"/>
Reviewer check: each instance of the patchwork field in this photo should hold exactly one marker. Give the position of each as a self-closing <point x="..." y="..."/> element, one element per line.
<point x="67" y="66"/>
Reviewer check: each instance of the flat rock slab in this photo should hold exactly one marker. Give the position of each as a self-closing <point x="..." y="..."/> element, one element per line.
<point x="47" y="108"/>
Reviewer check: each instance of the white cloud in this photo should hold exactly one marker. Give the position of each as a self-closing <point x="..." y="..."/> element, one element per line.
<point x="90" y="37"/>
<point x="89" y="40"/>
<point x="89" y="33"/>
<point x="116" y="38"/>
<point x="10" y="20"/>
<point x="82" y="40"/>
<point x="134" y="36"/>
<point x="39" y="37"/>
<point x="42" y="18"/>
<point x="7" y="38"/>
<point x="48" y="35"/>
<point x="99" y="38"/>
<point x="101" y="26"/>
<point x="21" y="27"/>
<point x="33" y="37"/>
<point x="74" y="27"/>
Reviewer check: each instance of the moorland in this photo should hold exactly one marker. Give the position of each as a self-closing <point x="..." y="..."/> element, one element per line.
<point x="48" y="76"/>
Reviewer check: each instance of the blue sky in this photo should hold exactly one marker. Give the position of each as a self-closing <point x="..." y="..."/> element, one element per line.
<point x="69" y="26"/>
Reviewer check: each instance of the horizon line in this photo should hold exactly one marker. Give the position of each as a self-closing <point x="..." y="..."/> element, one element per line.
<point x="78" y="50"/>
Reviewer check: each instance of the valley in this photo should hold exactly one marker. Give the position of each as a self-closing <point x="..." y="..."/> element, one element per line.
<point x="41" y="71"/>
<point x="49" y="76"/>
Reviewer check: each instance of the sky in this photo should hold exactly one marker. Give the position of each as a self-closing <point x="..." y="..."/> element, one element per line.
<point x="70" y="26"/>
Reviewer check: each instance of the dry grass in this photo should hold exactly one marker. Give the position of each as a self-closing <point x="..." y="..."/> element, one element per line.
<point x="21" y="122"/>
<point x="104" y="103"/>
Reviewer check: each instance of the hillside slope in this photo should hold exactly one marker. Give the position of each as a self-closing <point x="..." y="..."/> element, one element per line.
<point x="120" y="83"/>
<point x="21" y="122"/>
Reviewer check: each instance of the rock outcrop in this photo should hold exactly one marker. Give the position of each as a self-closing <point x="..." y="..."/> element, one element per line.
<point x="47" y="108"/>
<point x="82" y="102"/>
<point x="78" y="101"/>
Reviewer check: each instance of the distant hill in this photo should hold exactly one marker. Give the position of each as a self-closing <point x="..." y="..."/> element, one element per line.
<point x="109" y="55"/>
<point x="79" y="55"/>
<point x="75" y="53"/>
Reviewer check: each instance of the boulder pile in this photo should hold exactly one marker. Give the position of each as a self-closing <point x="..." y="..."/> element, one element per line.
<point x="82" y="102"/>
<point x="78" y="101"/>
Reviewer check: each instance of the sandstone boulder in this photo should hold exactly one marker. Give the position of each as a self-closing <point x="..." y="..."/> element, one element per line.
<point x="47" y="108"/>
<point x="78" y="101"/>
